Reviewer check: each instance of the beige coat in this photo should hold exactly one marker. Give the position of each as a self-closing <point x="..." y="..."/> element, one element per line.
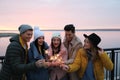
<point x="72" y="49"/>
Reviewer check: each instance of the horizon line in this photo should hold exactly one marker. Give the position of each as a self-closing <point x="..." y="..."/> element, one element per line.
<point x="115" y="29"/>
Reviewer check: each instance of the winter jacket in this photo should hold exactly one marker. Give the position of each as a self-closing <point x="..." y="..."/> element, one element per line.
<point x="14" y="65"/>
<point x="99" y="64"/>
<point x="34" y="55"/>
<point x="57" y="71"/>
<point x="72" y="48"/>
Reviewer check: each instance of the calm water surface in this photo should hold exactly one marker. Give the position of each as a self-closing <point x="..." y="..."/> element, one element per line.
<point x="110" y="39"/>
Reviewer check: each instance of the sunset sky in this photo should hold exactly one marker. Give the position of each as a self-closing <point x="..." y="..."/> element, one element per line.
<point x="55" y="14"/>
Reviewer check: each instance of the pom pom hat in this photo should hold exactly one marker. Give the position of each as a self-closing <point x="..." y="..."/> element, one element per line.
<point x="37" y="32"/>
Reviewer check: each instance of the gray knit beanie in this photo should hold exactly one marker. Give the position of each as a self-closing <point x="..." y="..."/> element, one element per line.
<point x="24" y="27"/>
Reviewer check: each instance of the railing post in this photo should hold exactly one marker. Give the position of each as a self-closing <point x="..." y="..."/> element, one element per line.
<point x="113" y="60"/>
<point x="2" y="59"/>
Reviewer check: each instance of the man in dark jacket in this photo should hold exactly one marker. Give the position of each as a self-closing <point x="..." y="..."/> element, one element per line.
<point x="15" y="64"/>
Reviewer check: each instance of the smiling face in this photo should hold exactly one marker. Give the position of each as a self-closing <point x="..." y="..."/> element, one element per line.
<point x="87" y="44"/>
<point x="40" y="40"/>
<point x="69" y="35"/>
<point x="56" y="42"/>
<point x="26" y="36"/>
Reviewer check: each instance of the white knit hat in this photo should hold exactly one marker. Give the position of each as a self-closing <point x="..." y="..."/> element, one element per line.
<point x="37" y="32"/>
<point x="56" y="34"/>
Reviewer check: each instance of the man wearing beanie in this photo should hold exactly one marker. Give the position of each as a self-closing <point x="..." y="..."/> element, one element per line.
<point x="15" y="64"/>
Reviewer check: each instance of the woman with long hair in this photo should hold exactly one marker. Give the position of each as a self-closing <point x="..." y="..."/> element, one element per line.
<point x="37" y="52"/>
<point x="90" y="60"/>
<point x="57" y="53"/>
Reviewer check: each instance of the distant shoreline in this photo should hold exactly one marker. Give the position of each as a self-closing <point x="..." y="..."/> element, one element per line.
<point x="76" y="30"/>
<point x="7" y="34"/>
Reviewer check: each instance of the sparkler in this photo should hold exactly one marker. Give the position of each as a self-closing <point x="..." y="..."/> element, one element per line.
<point x="55" y="58"/>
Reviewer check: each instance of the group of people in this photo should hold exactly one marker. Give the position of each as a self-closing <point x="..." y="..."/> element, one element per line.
<point x="61" y="60"/>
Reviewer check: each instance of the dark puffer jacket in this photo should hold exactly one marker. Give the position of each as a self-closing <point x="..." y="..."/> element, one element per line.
<point x="14" y="65"/>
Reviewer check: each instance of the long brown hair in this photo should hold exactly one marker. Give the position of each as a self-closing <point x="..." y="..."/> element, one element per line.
<point x="94" y="52"/>
<point x="42" y="47"/>
<point x="52" y="46"/>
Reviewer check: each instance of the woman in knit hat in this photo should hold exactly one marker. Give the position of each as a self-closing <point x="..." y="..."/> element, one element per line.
<point x="57" y="53"/>
<point x="37" y="52"/>
<point x="90" y="60"/>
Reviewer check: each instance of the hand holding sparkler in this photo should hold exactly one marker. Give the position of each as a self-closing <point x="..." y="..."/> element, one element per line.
<point x="39" y="63"/>
<point x="65" y="67"/>
<point x="46" y="64"/>
<point x="46" y="55"/>
<point x="56" y="60"/>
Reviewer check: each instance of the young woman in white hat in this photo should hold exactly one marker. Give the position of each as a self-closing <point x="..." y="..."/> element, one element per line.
<point x="37" y="52"/>
<point x="57" y="50"/>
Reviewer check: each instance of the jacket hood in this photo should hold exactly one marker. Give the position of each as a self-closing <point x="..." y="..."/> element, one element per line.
<point x="36" y="54"/>
<point x="15" y="38"/>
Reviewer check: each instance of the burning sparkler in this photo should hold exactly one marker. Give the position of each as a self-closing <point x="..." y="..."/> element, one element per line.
<point x="55" y="58"/>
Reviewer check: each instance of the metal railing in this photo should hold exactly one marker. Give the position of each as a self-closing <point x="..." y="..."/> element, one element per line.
<point x="114" y="54"/>
<point x="1" y="59"/>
